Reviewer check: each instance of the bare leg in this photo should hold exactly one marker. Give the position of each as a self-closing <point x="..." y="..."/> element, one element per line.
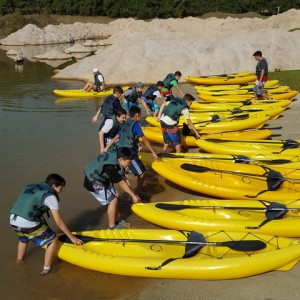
<point x="178" y="148"/>
<point x="22" y="247"/>
<point x="155" y="114"/>
<point x="140" y="182"/>
<point x="49" y="253"/>
<point x="165" y="147"/>
<point x="112" y="212"/>
<point x="89" y="86"/>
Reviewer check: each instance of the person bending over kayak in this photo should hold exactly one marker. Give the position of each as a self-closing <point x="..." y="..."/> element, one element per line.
<point x="98" y="85"/>
<point x="132" y="96"/>
<point x="26" y="218"/>
<point x="129" y="137"/>
<point x="110" y="105"/>
<point x="171" y="83"/>
<point x="149" y="97"/>
<point x="100" y="176"/>
<point x="169" y="115"/>
<point x="109" y="129"/>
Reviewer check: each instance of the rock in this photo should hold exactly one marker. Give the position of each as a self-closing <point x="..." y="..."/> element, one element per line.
<point x="53" y="55"/>
<point x="90" y="43"/>
<point x="77" y="48"/>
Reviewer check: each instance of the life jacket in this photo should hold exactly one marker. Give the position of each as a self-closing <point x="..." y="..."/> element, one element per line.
<point x="167" y="81"/>
<point x="97" y="81"/>
<point x="133" y="96"/>
<point x="107" y="108"/>
<point x="149" y="92"/>
<point x="174" y="108"/>
<point x="127" y="138"/>
<point x="259" y="68"/>
<point x="30" y="204"/>
<point x="94" y="171"/>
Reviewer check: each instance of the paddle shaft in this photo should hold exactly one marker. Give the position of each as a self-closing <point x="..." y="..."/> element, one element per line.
<point x="243" y="245"/>
<point x="279" y="142"/>
<point x="200" y="169"/>
<point x="169" y="206"/>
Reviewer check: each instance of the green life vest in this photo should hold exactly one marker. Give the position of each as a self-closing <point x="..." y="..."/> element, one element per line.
<point x="174" y="108"/>
<point x="127" y="138"/>
<point x="30" y="204"/>
<point x="94" y="171"/>
<point x="167" y="81"/>
<point x="107" y="108"/>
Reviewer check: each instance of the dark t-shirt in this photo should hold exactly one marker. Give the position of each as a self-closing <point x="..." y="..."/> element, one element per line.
<point x="111" y="171"/>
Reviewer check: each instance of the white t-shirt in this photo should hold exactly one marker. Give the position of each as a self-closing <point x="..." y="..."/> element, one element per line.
<point x="50" y="201"/>
<point x="108" y="124"/>
<point x="157" y="94"/>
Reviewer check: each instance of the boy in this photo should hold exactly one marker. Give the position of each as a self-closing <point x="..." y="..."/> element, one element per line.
<point x="129" y="137"/>
<point x="109" y="128"/>
<point x="169" y="116"/>
<point x="110" y="105"/>
<point x="171" y="82"/>
<point x="132" y="95"/>
<point x="149" y="97"/>
<point x="26" y="218"/>
<point x="100" y="176"/>
<point x="99" y="83"/>
<point x="262" y="76"/>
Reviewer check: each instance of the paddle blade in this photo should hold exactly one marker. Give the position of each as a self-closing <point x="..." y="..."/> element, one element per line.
<point x="64" y="238"/>
<point x="193" y="168"/>
<point x="244" y="245"/>
<point x="274" y="180"/>
<point x="275" y="211"/>
<point x="289" y="144"/>
<point x="167" y="206"/>
<point x="241" y="159"/>
<point x="195" y="242"/>
<point x="169" y="155"/>
<point x="186" y="131"/>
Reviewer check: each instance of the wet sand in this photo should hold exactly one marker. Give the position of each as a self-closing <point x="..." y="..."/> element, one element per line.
<point x="71" y="282"/>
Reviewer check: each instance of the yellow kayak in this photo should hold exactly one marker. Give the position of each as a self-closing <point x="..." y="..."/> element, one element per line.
<point x="279" y="161"/>
<point x="271" y="91"/>
<point x="220" y="79"/>
<point x="154" y="134"/>
<point x="233" y="181"/>
<point x="227" y="124"/>
<point x="263" y="217"/>
<point x="268" y="84"/>
<point x="83" y="94"/>
<point x="244" y="147"/>
<point x="161" y="253"/>
<point x="237" y="98"/>
<point x="249" y="104"/>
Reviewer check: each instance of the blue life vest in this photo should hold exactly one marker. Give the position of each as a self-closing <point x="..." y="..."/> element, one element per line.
<point x="149" y="92"/>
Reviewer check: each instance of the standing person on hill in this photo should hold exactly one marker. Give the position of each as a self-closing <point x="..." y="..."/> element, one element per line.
<point x="110" y="128"/>
<point x="152" y="93"/>
<point x="100" y="176"/>
<point x="98" y="85"/>
<point x="129" y="137"/>
<point x="26" y="218"/>
<point x="169" y="115"/>
<point x="171" y="82"/>
<point x="132" y="96"/>
<point x="110" y="105"/>
<point x="262" y="76"/>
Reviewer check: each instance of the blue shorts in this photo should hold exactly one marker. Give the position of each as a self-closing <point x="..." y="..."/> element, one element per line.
<point x="128" y="105"/>
<point x="171" y="134"/>
<point x="41" y="235"/>
<point x="153" y="106"/>
<point x="137" y="167"/>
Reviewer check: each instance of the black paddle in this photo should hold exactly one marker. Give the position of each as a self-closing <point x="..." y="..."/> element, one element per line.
<point x="195" y="239"/>
<point x="287" y="144"/>
<point x="274" y="178"/>
<point x="237" y="159"/>
<point x="274" y="210"/>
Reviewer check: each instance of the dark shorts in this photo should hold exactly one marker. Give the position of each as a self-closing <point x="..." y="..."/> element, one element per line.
<point x="170" y="133"/>
<point x="41" y="235"/>
<point x="137" y="167"/>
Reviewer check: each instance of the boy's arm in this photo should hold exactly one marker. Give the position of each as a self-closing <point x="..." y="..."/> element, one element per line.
<point x="191" y="125"/>
<point x="63" y="227"/>
<point x="145" y="106"/>
<point x="95" y="117"/>
<point x="148" y="145"/>
<point x="161" y="110"/>
<point x="127" y="189"/>
<point x="111" y="143"/>
<point x="179" y="90"/>
<point x="101" y="141"/>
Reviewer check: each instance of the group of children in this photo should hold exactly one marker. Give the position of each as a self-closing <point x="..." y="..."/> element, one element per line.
<point x="120" y="133"/>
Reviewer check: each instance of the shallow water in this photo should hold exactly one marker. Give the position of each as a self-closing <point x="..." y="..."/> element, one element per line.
<point x="41" y="134"/>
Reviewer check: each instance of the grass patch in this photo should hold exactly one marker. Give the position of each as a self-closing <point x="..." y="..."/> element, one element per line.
<point x="290" y="78"/>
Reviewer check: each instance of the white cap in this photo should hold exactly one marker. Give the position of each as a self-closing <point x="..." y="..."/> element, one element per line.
<point x="95" y="70"/>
